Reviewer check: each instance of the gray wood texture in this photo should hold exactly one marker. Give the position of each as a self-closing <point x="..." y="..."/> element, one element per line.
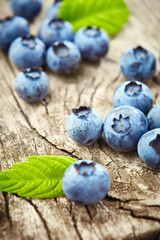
<point x="132" y="209"/>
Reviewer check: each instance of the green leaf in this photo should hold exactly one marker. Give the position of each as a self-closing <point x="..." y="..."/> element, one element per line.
<point x="107" y="14"/>
<point x="40" y="177"/>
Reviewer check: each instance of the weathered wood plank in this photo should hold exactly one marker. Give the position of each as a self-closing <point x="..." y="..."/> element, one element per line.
<point x="132" y="210"/>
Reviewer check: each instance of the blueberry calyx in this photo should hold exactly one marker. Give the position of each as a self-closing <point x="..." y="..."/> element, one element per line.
<point x="32" y="73"/>
<point x="156" y="144"/>
<point x="60" y="49"/>
<point x="82" y="111"/>
<point x="29" y="40"/>
<point x="85" y="168"/>
<point x="56" y="1"/>
<point x="133" y="88"/>
<point x="56" y="23"/>
<point x="122" y="124"/>
<point x="6" y="19"/>
<point x="92" y="31"/>
<point x="140" y="53"/>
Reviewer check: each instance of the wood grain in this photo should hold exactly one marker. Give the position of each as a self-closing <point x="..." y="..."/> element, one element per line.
<point x="132" y="209"/>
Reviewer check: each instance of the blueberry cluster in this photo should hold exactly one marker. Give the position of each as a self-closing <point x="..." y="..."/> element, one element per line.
<point x="56" y="45"/>
<point x="126" y="126"/>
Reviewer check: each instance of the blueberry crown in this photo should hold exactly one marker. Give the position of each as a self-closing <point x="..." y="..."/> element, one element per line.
<point x="60" y="49"/>
<point x="133" y="88"/>
<point x="56" y="1"/>
<point x="32" y="72"/>
<point x="140" y="52"/>
<point x="56" y="23"/>
<point x="92" y="31"/>
<point x="6" y="19"/>
<point x="55" y="20"/>
<point x="29" y="40"/>
<point x="155" y="144"/>
<point x="81" y="111"/>
<point x="85" y="168"/>
<point x="94" y="28"/>
<point x="28" y="70"/>
<point x="121" y="124"/>
<point x="28" y="37"/>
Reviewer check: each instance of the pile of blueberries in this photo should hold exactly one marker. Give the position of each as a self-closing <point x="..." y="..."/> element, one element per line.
<point x="126" y="128"/>
<point x="56" y="46"/>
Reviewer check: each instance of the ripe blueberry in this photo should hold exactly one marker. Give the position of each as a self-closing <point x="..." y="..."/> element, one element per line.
<point x="11" y="28"/>
<point x="55" y="30"/>
<point x="84" y="125"/>
<point x="32" y="85"/>
<point x="154" y="117"/>
<point x="123" y="127"/>
<point x="149" y="148"/>
<point x="92" y="42"/>
<point x="63" y="57"/>
<point x="53" y="10"/>
<point x="133" y="93"/>
<point x="86" y="182"/>
<point x="26" y="8"/>
<point x="27" y="52"/>
<point x="138" y="63"/>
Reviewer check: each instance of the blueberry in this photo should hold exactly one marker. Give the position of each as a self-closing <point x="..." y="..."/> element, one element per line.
<point x="86" y="182"/>
<point x="27" y="52"/>
<point x="63" y="57"/>
<point x="53" y="10"/>
<point x="138" y="63"/>
<point x="154" y="117"/>
<point x="32" y="85"/>
<point x="84" y="125"/>
<point x="92" y="42"/>
<point x="133" y="93"/>
<point x="11" y="28"/>
<point x="149" y="148"/>
<point x="123" y="127"/>
<point x="55" y="30"/>
<point x="26" y="8"/>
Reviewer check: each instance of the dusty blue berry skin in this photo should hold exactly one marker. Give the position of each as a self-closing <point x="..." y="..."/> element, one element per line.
<point x="154" y="117"/>
<point x="149" y="148"/>
<point x="138" y="63"/>
<point x="84" y="125"/>
<point x="55" y="30"/>
<point x="53" y="10"/>
<point x="86" y="182"/>
<point x="27" y="52"/>
<point x="123" y="127"/>
<point x="133" y="93"/>
<point x="63" y="57"/>
<point x="11" y="28"/>
<point x="26" y="8"/>
<point x="92" y="42"/>
<point x="32" y="85"/>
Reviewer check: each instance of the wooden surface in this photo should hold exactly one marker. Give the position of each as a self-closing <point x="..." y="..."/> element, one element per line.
<point x="132" y="210"/>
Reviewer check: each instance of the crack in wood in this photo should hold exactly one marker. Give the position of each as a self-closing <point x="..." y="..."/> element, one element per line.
<point x="94" y="91"/>
<point x="45" y="103"/>
<point x="79" y="96"/>
<point x="89" y="213"/>
<point x="131" y="211"/>
<point x="5" y="196"/>
<point x="65" y="102"/>
<point x="74" y="222"/>
<point x="133" y="230"/>
<point x="40" y="216"/>
<point x="36" y="131"/>
<point x="111" y="60"/>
